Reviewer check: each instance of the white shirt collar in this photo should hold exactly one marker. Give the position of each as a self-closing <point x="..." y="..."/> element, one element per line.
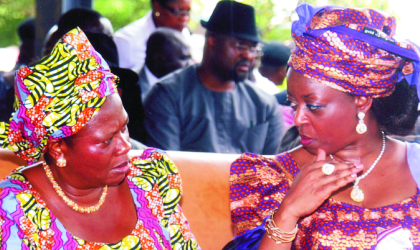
<point x="151" y="78"/>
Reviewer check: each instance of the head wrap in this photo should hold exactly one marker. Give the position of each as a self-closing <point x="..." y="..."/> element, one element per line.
<point x="57" y="96"/>
<point x="352" y="50"/>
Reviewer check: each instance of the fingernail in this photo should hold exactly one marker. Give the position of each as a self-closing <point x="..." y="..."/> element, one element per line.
<point x="358" y="165"/>
<point x="353" y="175"/>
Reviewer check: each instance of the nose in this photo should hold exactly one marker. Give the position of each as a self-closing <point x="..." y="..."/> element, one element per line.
<point x="248" y="54"/>
<point x="124" y="146"/>
<point x="299" y="116"/>
<point x="184" y="17"/>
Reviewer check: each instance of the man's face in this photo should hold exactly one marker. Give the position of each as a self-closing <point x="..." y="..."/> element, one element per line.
<point x="234" y="57"/>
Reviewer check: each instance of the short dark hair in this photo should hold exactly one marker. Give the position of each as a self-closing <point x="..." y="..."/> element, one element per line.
<point x="275" y="54"/>
<point x="161" y="2"/>
<point x="397" y="114"/>
<point x="78" y="17"/>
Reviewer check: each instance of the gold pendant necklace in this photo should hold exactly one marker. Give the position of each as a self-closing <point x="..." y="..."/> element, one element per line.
<point x="357" y="194"/>
<point x="68" y="201"/>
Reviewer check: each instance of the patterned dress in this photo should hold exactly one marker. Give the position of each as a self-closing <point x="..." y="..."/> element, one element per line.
<point x="155" y="184"/>
<point x="259" y="184"/>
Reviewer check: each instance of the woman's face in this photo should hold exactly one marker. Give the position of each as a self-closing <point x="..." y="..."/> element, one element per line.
<point x="98" y="153"/>
<point x="173" y="14"/>
<point x="326" y="118"/>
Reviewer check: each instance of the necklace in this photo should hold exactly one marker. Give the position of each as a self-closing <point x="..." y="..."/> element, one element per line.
<point x="68" y="201"/>
<point x="357" y="194"/>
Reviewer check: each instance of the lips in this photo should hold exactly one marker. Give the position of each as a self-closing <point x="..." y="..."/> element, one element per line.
<point x="304" y="140"/>
<point x="243" y="67"/>
<point x="243" y="64"/>
<point x="122" y="168"/>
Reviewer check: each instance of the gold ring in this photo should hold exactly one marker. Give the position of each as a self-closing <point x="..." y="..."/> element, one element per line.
<point x="328" y="168"/>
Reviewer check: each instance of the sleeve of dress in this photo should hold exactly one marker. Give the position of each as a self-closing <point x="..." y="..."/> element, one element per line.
<point x="160" y="173"/>
<point x="257" y="186"/>
<point x="10" y="233"/>
<point x="161" y="119"/>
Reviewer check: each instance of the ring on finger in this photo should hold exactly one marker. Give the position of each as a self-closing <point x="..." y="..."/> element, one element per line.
<point x="328" y="168"/>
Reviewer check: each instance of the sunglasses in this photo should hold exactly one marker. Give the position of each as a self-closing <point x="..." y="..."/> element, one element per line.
<point x="177" y="12"/>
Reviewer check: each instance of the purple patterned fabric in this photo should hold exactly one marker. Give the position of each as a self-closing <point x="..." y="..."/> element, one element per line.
<point x="259" y="184"/>
<point x="352" y="50"/>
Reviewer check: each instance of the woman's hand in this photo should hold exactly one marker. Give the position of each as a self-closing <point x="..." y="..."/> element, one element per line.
<point x="309" y="190"/>
<point x="312" y="186"/>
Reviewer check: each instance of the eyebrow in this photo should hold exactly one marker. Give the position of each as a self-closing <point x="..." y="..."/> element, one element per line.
<point x="308" y="95"/>
<point x="113" y="133"/>
<point x="304" y="96"/>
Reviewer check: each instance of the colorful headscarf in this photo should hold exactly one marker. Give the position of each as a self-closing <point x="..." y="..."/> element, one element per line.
<point x="352" y="50"/>
<point x="57" y="96"/>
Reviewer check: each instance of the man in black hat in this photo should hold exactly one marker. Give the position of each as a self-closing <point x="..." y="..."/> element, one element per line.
<point x="212" y="107"/>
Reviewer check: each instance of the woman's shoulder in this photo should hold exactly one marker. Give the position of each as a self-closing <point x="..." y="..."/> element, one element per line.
<point x="258" y="184"/>
<point x="253" y="163"/>
<point x="15" y="180"/>
<point x="154" y="159"/>
<point x="154" y="169"/>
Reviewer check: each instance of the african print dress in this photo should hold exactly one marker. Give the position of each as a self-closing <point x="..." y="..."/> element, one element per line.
<point x="155" y="184"/>
<point x="258" y="185"/>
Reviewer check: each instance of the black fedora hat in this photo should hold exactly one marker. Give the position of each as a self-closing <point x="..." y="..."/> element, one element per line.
<point x="234" y="19"/>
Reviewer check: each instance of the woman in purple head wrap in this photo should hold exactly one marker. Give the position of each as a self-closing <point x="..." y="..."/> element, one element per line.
<point x="350" y="185"/>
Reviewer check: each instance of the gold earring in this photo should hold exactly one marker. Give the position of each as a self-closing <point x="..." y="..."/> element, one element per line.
<point x="361" y="126"/>
<point x="61" y="162"/>
<point x="157" y="13"/>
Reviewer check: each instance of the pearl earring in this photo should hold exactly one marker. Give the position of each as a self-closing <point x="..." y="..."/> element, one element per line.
<point x="361" y="126"/>
<point x="61" y="162"/>
<point x="157" y="13"/>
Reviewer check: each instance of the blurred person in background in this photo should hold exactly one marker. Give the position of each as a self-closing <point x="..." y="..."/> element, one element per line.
<point x="273" y="66"/>
<point x="86" y="19"/>
<point x="212" y="106"/>
<point x="6" y="94"/>
<point x="271" y="73"/>
<point x="167" y="51"/>
<point x="131" y="40"/>
<point x="26" y="33"/>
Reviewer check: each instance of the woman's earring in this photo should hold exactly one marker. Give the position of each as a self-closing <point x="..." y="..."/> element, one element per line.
<point x="361" y="126"/>
<point x="61" y="162"/>
<point x="157" y="13"/>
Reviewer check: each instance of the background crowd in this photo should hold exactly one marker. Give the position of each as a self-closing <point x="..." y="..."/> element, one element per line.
<point x="141" y="62"/>
<point x="352" y="87"/>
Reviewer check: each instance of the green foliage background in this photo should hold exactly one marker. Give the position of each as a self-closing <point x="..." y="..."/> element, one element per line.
<point x="12" y="12"/>
<point x="123" y="12"/>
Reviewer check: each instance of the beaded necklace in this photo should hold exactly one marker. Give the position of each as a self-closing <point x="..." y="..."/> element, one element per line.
<point x="68" y="201"/>
<point x="357" y="194"/>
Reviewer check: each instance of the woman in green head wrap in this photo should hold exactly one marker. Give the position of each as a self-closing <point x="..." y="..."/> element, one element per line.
<point x="88" y="194"/>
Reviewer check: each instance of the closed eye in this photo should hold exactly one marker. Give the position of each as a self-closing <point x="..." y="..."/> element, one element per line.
<point x="108" y="141"/>
<point x="292" y="104"/>
<point x="313" y="107"/>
